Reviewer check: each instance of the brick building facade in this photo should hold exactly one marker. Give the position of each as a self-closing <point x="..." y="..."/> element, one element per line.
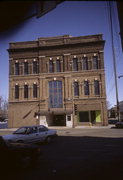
<point x="57" y="81"/>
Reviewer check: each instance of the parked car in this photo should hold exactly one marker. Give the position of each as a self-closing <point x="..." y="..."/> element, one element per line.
<point x="112" y="121"/>
<point x="31" y="134"/>
<point x="119" y="124"/>
<point x="18" y="154"/>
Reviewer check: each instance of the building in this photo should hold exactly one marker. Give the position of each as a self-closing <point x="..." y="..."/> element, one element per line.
<point x="112" y="112"/>
<point x="57" y="81"/>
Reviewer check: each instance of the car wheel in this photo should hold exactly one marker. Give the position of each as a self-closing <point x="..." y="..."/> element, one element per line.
<point x="20" y="141"/>
<point x="48" y="139"/>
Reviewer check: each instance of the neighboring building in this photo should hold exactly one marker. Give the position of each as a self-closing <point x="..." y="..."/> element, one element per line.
<point x="59" y="81"/>
<point x="112" y="113"/>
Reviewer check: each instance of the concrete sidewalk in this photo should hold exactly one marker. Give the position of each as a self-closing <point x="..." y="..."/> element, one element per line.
<point x="64" y="127"/>
<point x="82" y="127"/>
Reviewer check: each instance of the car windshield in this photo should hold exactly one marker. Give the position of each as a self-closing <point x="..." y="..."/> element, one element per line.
<point x="22" y="130"/>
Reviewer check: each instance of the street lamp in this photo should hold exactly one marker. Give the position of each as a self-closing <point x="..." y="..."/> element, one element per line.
<point x="120" y="76"/>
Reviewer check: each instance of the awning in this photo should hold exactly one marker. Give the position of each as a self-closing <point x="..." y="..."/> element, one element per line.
<point x="54" y="112"/>
<point x="64" y="111"/>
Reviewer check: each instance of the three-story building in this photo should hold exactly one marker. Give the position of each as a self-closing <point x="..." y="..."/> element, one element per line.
<point x="57" y="81"/>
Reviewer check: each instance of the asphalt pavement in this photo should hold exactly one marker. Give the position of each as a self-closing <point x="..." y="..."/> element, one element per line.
<point x="90" y="153"/>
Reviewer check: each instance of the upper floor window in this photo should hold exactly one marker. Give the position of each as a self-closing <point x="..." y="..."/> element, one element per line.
<point x="35" y="90"/>
<point x="95" y="62"/>
<point x="17" y="68"/>
<point x="86" y="87"/>
<point x="96" y="87"/>
<point x="25" y="67"/>
<point x="35" y="67"/>
<point x="58" y="66"/>
<point x="75" y="64"/>
<point x="85" y="63"/>
<point x="55" y="94"/>
<point x="51" y="66"/>
<point x="76" y="89"/>
<point x="26" y="91"/>
<point x="16" y="91"/>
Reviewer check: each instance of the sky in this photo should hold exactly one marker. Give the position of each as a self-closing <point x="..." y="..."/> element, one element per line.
<point x="76" y="18"/>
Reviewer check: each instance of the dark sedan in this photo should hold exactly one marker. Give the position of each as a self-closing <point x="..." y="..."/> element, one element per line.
<point x="119" y="124"/>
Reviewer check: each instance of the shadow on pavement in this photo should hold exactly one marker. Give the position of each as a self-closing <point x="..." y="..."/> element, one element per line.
<point x="67" y="157"/>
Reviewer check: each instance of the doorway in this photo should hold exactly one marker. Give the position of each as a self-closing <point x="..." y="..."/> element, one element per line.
<point x="59" y="120"/>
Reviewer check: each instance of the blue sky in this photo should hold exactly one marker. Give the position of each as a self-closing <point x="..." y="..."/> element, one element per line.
<point x="76" y="18"/>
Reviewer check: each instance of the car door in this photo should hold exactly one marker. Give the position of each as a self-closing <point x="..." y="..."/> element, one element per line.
<point x="32" y="135"/>
<point x="43" y="133"/>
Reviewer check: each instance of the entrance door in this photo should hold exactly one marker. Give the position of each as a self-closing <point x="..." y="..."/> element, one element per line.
<point x="59" y="120"/>
<point x="93" y="117"/>
<point x="84" y="116"/>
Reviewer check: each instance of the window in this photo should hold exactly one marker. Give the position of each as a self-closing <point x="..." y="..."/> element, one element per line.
<point x="25" y="67"/>
<point x="95" y="62"/>
<point x="86" y="87"/>
<point x="35" y="90"/>
<point x="33" y="130"/>
<point x="69" y="117"/>
<point x="76" y="89"/>
<point x="42" y="129"/>
<point x="96" y="87"/>
<point x="85" y="63"/>
<point x="58" y="66"/>
<point x="16" y="91"/>
<point x="51" y="66"/>
<point x="17" y="68"/>
<point x="75" y="64"/>
<point x="25" y="91"/>
<point x="35" y="67"/>
<point x="84" y="116"/>
<point x="55" y="94"/>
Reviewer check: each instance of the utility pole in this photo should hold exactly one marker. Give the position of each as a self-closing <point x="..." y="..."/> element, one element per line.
<point x="114" y="60"/>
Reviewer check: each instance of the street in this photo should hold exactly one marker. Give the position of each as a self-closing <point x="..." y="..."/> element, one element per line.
<point x="80" y="153"/>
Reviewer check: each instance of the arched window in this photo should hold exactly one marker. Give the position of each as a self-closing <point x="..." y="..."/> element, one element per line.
<point x="55" y="94"/>
<point x="96" y="87"/>
<point x="25" y="67"/>
<point x="35" y="67"/>
<point x="76" y="89"/>
<point x="16" y="91"/>
<point x="86" y="87"/>
<point x="26" y="91"/>
<point x="17" y="68"/>
<point x="95" y="62"/>
<point x="85" y="63"/>
<point x="75" y="64"/>
<point x="58" y="66"/>
<point x="51" y="66"/>
<point x="35" y="90"/>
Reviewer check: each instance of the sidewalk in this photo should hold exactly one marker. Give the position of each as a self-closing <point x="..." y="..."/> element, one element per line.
<point x="82" y="127"/>
<point x="64" y="127"/>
